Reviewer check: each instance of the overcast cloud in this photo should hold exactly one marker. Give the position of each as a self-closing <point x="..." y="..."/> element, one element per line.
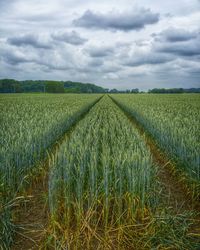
<point x="116" y="44"/>
<point x="134" y="19"/>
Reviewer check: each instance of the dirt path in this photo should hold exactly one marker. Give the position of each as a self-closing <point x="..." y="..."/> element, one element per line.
<point x="175" y="193"/>
<point x="32" y="214"/>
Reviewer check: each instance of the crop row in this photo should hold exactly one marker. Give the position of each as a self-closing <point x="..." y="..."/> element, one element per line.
<point x="173" y="120"/>
<point x="102" y="177"/>
<point x="29" y="125"/>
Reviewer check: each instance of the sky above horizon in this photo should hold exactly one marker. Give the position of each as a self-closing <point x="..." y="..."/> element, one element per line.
<point x="119" y="44"/>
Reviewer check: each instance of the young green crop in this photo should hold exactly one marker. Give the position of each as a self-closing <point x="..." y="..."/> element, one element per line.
<point x="29" y="125"/>
<point x="102" y="177"/>
<point x="174" y="121"/>
<point x="103" y="188"/>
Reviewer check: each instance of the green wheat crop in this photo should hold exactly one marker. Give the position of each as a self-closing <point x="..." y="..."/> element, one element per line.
<point x="102" y="177"/>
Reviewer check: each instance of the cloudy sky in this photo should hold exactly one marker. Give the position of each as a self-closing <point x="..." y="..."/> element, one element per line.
<point x="116" y="44"/>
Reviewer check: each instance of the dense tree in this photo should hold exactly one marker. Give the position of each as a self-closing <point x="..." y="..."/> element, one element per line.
<point x="28" y="86"/>
<point x="79" y="87"/>
<point x="9" y="86"/>
<point x="135" y="91"/>
<point x="54" y="87"/>
<point x="114" y="91"/>
<point x="174" y="90"/>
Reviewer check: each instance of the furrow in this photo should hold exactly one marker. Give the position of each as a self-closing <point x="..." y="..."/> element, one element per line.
<point x="32" y="214"/>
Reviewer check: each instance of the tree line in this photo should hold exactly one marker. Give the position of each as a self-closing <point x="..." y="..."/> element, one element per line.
<point x="29" y="86"/>
<point x="174" y="90"/>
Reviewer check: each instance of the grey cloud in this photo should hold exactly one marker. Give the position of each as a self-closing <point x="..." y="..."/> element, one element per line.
<point x="111" y="68"/>
<point x="100" y="51"/>
<point x="179" y="43"/>
<point x="51" y="59"/>
<point x="95" y="62"/>
<point x="50" y="67"/>
<point x="190" y="50"/>
<point x="186" y="49"/>
<point x="62" y="63"/>
<point x="28" y="40"/>
<point x="178" y="35"/>
<point x="69" y="37"/>
<point x="13" y="58"/>
<point x="96" y="65"/>
<point x="149" y="58"/>
<point x="133" y="20"/>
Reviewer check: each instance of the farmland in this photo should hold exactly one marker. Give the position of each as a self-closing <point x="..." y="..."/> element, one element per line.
<point x="105" y="187"/>
<point x="174" y="122"/>
<point x="29" y="125"/>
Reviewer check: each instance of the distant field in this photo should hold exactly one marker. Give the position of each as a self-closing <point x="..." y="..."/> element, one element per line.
<point x="108" y="172"/>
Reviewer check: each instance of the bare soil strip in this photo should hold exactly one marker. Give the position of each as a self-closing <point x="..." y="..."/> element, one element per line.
<point x="32" y="214"/>
<point x="174" y="191"/>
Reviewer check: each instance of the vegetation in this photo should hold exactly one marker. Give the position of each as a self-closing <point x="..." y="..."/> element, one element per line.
<point x="9" y="86"/>
<point x="106" y="187"/>
<point x="54" y="87"/>
<point x="13" y="86"/>
<point x="78" y="87"/>
<point x="29" y="86"/>
<point x="29" y="125"/>
<point x="102" y="178"/>
<point x="173" y="120"/>
<point x="174" y="91"/>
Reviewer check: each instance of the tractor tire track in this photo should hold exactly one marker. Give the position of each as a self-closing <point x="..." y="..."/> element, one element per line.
<point x="31" y="215"/>
<point x="175" y="192"/>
